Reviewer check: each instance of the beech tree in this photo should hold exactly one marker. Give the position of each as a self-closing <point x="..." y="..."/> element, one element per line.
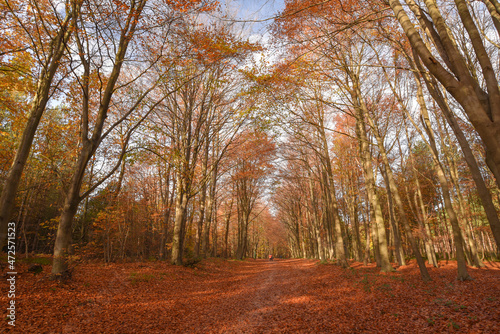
<point x="251" y="166"/>
<point x="47" y="31"/>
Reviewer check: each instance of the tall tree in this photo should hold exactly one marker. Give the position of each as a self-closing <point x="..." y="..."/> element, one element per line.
<point x="47" y="31"/>
<point x="251" y="168"/>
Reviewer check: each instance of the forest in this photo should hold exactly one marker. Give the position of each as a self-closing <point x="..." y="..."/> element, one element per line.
<point x="192" y="139"/>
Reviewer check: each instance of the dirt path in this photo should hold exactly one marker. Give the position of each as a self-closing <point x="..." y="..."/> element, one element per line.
<point x="256" y="296"/>
<point x="272" y="283"/>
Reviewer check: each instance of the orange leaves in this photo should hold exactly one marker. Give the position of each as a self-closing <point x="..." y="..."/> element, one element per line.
<point x="282" y="296"/>
<point x="187" y="5"/>
<point x="301" y="16"/>
<point x="215" y="44"/>
<point x="121" y="5"/>
<point x="253" y="153"/>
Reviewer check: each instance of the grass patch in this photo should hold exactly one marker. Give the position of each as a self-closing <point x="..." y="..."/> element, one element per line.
<point x="398" y="278"/>
<point x="454" y="325"/>
<point x="190" y="262"/>
<point x="43" y="261"/>
<point x="366" y="283"/>
<point x="430" y="292"/>
<point x="136" y="277"/>
<point x="384" y="287"/>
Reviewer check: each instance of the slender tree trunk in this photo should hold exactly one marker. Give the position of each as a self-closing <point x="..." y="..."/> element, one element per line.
<point x="201" y="220"/>
<point x="214" y="229"/>
<point x="457" y="235"/>
<point x="366" y="223"/>
<point x="357" y="247"/>
<point x="397" y="237"/>
<point x="422" y="218"/>
<point x="332" y="200"/>
<point x="395" y="192"/>
<point x="181" y="203"/>
<point x="228" y="220"/>
<point x="375" y="245"/>
<point x="462" y="269"/>
<point x="370" y="187"/>
<point x="164" y="232"/>
<point x="209" y="211"/>
<point x="90" y="145"/>
<point x="471" y="243"/>
<point x="168" y="199"/>
<point x="203" y="202"/>
<point x="484" y="193"/>
<point x="242" y="233"/>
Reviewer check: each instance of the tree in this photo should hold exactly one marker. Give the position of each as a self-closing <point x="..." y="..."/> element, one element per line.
<point x="251" y="167"/>
<point x="47" y="32"/>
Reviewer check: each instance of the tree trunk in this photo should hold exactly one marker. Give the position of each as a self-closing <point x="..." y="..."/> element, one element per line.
<point x="484" y="193"/>
<point x="365" y="155"/>
<point x="462" y="268"/>
<point x="209" y="211"/>
<point x="164" y="232"/>
<point x="358" y="249"/>
<point x="332" y="202"/>
<point x="429" y="247"/>
<point x="181" y="202"/>
<point x="63" y="236"/>
<point x="226" y="236"/>
<point x="366" y="223"/>
<point x="90" y="145"/>
<point x="397" y="237"/>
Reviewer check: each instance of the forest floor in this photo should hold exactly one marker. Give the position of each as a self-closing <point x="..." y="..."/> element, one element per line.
<point x="254" y="296"/>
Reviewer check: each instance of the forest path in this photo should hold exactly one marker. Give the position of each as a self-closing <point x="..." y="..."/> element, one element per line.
<point x="255" y="296"/>
<point x="271" y="286"/>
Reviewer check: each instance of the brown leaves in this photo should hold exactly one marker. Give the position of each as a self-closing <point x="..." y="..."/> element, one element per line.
<point x="283" y="296"/>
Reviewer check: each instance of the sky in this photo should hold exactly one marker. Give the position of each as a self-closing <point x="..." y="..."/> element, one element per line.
<point x="253" y="10"/>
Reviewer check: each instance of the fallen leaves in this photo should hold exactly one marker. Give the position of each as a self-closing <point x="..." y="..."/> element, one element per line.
<point x="255" y="296"/>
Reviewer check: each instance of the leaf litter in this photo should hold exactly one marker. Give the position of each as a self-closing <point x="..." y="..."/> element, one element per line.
<point x="255" y="296"/>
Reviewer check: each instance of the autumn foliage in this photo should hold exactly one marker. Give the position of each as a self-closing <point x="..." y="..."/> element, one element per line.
<point x="154" y="152"/>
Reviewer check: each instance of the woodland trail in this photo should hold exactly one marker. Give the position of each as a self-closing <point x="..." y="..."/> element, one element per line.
<point x="256" y="296"/>
<point x="273" y="284"/>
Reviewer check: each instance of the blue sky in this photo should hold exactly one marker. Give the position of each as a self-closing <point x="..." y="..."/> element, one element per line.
<point x="254" y="10"/>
